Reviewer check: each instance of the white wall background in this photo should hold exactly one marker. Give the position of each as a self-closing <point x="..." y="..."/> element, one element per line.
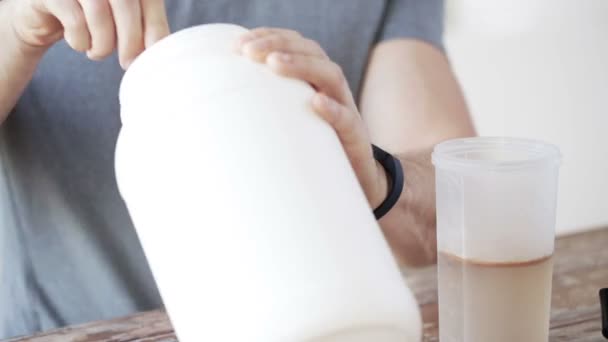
<point x="539" y="69"/>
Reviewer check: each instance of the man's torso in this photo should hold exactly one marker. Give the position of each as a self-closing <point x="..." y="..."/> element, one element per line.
<point x="68" y="250"/>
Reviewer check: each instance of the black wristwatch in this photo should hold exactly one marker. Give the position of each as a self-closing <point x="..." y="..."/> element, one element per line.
<point x="394" y="172"/>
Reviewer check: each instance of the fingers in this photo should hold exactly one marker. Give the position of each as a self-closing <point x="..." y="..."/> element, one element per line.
<point x="98" y="15"/>
<point x="325" y="75"/>
<point x="266" y="39"/>
<point x="353" y="136"/>
<point x="346" y="122"/>
<point x="259" y="48"/>
<point x="292" y="55"/>
<point x="265" y="31"/>
<point x="100" y="26"/>
<point x="258" y="43"/>
<point x="156" y="26"/>
<point x="70" y="15"/>
<point x="139" y="24"/>
<point x="129" y="29"/>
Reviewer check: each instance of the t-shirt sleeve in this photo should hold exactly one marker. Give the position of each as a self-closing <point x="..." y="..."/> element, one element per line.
<point x="414" y="19"/>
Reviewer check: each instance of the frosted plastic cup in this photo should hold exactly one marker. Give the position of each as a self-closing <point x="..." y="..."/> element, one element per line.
<point x="496" y="200"/>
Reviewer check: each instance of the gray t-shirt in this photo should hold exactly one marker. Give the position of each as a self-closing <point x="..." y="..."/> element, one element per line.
<point x="68" y="250"/>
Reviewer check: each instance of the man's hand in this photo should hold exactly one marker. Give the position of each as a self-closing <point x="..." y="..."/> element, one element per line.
<point x="292" y="55"/>
<point x="96" y="27"/>
<point x="423" y="105"/>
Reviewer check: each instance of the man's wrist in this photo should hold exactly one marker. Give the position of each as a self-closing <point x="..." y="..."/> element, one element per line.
<point x="410" y="225"/>
<point x="393" y="180"/>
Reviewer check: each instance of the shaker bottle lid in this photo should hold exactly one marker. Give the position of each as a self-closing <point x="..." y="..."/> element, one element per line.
<point x="493" y="153"/>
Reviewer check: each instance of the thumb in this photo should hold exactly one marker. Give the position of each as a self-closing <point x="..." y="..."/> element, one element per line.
<point x="354" y="138"/>
<point x="347" y="123"/>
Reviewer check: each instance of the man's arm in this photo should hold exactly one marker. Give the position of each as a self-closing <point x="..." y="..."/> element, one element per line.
<point x="95" y="27"/>
<point x="17" y="63"/>
<point x="411" y="101"/>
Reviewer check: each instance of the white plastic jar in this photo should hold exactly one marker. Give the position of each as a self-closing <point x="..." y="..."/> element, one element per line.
<point x="249" y="213"/>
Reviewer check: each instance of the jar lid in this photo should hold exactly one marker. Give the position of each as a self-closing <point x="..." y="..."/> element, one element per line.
<point x="211" y="40"/>
<point x="193" y="67"/>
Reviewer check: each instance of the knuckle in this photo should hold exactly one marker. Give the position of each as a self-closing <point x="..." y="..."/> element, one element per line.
<point x="130" y="6"/>
<point x="344" y="122"/>
<point x="278" y="40"/>
<point x="98" y="53"/>
<point x="261" y="31"/>
<point x="293" y="33"/>
<point x="354" y="125"/>
<point x="75" y="21"/>
<point x="94" y="7"/>
<point x="337" y="75"/>
<point x="313" y="43"/>
<point x="315" y="46"/>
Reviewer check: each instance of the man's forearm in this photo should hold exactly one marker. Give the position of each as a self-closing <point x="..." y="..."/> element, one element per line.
<point x="17" y="63"/>
<point x="410" y="102"/>
<point x="411" y="99"/>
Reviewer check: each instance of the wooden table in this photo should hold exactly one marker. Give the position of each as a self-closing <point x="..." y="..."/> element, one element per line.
<point x="581" y="269"/>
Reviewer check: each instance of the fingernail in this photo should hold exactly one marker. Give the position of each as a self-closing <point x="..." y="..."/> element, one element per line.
<point x="277" y="59"/>
<point x="125" y="65"/>
<point x="153" y="36"/>
<point x="245" y="38"/>
<point x="285" y="57"/>
<point x="241" y="41"/>
<point x="92" y="56"/>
